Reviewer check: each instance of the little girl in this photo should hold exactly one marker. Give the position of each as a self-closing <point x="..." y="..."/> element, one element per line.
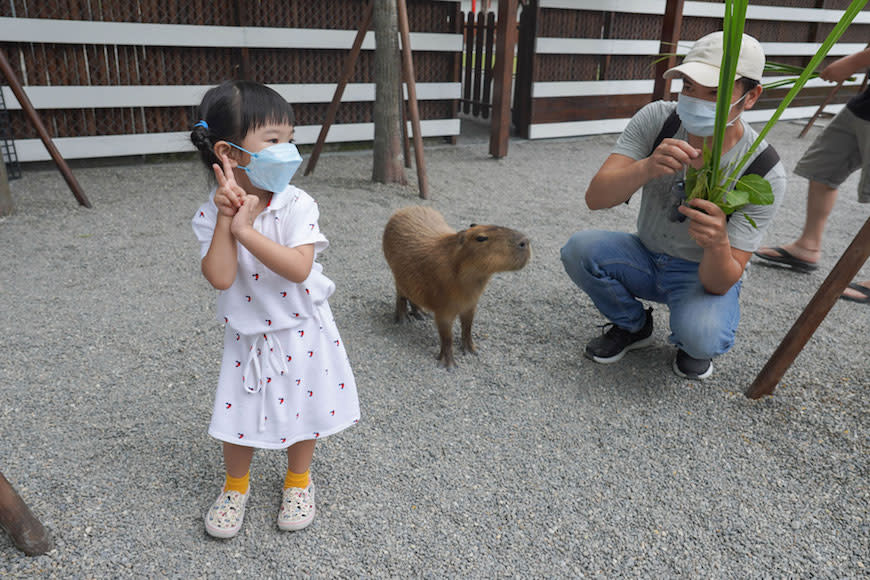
<point x="285" y="378"/>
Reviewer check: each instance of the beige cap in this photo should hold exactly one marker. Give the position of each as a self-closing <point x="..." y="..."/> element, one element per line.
<point x="704" y="59"/>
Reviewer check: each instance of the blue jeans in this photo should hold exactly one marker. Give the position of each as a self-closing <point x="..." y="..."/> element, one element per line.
<point x="615" y="269"/>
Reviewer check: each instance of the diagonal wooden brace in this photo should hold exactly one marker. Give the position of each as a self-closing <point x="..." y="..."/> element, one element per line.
<point x="821" y="303"/>
<point x="27" y="533"/>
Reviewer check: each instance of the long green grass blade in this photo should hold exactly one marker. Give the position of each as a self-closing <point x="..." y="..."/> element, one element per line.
<point x="848" y="16"/>
<point x="733" y="23"/>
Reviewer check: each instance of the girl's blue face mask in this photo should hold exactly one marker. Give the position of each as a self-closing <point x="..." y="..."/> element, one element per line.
<point x="273" y="167"/>
<point x="699" y="116"/>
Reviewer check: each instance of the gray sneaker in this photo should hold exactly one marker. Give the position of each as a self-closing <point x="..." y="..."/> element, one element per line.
<point x="689" y="367"/>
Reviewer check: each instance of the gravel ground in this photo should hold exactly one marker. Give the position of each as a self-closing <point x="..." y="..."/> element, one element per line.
<point x="527" y="460"/>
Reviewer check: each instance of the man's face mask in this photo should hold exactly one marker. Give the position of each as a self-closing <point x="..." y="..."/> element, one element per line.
<point x="272" y="167"/>
<point x="699" y="116"/>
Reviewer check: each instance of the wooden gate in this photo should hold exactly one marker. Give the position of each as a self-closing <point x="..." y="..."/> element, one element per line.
<point x="478" y="55"/>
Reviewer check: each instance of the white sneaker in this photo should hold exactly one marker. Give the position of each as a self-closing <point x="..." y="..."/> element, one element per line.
<point x="297" y="508"/>
<point x="224" y="518"/>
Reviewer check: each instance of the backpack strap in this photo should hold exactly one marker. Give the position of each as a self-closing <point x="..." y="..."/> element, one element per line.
<point x="669" y="129"/>
<point x="763" y="163"/>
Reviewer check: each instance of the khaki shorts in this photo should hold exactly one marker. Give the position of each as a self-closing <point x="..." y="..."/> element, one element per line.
<point x="843" y="147"/>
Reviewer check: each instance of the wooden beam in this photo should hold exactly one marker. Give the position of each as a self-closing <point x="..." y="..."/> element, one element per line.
<point x="31" y="113"/>
<point x="27" y="533"/>
<point x="413" y="110"/>
<point x="506" y="41"/>
<point x="829" y="292"/>
<point x="671" y="25"/>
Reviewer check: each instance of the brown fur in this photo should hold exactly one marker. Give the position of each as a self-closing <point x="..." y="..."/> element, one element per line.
<point x="444" y="271"/>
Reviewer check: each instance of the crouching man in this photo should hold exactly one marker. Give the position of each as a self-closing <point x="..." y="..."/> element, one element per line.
<point x="689" y="257"/>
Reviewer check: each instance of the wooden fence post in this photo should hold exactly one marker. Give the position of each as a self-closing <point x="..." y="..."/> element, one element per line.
<point x="6" y="204"/>
<point x="671" y="24"/>
<point x="526" y="34"/>
<point x="27" y="533"/>
<point x="506" y="41"/>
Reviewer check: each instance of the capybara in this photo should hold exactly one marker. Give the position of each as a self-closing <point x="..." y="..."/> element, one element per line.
<point x="444" y="271"/>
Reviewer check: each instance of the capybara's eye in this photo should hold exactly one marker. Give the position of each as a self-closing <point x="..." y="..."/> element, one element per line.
<point x="482" y="238"/>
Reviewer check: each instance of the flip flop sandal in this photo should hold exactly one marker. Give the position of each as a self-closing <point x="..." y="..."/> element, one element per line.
<point x="786" y="259"/>
<point x="860" y="288"/>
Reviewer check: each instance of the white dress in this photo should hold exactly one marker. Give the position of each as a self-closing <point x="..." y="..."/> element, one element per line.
<point x="285" y="376"/>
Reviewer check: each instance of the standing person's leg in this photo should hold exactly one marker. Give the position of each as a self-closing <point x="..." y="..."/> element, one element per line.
<point x="225" y="517"/>
<point x="297" y="502"/>
<point x="834" y="155"/>
<point x="808" y="246"/>
<point x="614" y="269"/>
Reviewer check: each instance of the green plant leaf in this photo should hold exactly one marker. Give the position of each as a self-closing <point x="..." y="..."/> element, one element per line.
<point x="848" y="16"/>
<point x="757" y="188"/>
<point x="736" y="198"/>
<point x="750" y="220"/>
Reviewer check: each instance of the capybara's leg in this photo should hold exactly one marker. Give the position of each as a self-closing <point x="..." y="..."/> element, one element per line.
<point x="466" y="318"/>
<point x="416" y="312"/>
<point x="445" y="331"/>
<point x="401" y="315"/>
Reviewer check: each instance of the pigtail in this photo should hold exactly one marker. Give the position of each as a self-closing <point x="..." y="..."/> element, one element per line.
<point x="201" y="138"/>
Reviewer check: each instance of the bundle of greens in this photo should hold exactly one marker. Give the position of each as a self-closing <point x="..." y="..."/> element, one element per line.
<point x="713" y="182"/>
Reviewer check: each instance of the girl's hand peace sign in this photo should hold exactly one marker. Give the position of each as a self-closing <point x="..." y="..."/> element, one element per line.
<point x="229" y="195"/>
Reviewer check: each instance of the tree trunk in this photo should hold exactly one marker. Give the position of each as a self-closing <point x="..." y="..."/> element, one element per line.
<point x="388" y="163"/>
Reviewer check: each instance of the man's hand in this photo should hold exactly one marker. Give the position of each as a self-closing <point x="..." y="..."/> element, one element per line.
<point x="707" y="225"/>
<point x="671" y="156"/>
<point x="837" y="71"/>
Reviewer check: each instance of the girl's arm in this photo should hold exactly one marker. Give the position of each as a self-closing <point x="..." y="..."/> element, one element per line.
<point x="220" y="263"/>
<point x="294" y="264"/>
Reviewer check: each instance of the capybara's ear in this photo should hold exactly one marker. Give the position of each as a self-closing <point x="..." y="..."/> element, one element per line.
<point x="472" y="225"/>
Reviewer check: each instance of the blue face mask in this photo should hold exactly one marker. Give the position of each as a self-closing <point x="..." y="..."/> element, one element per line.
<point x="699" y="116"/>
<point x="272" y="167"/>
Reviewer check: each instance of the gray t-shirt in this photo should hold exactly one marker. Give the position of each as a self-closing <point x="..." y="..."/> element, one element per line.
<point x="663" y="236"/>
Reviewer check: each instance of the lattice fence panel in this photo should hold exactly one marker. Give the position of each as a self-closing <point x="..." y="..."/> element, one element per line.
<point x="49" y="64"/>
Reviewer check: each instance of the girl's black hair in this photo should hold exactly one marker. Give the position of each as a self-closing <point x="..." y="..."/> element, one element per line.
<point x="232" y="109"/>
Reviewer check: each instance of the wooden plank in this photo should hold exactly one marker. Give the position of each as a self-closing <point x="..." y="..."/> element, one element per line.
<point x="479" y="36"/>
<point x="489" y="52"/>
<point x="98" y="146"/>
<point x="469" y="60"/>
<point x="558" y="109"/>
<point x="46" y="30"/>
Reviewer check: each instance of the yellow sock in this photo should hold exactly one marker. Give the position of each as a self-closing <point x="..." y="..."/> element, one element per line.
<point x="239" y="484"/>
<point x="296" y="479"/>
